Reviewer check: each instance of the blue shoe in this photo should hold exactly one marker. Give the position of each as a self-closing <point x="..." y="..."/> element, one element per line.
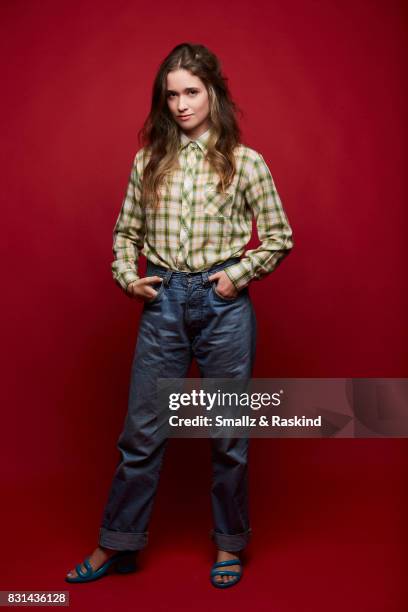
<point x="123" y="562"/>
<point x="217" y="572"/>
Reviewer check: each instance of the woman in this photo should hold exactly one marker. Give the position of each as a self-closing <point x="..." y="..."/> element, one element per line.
<point x="192" y="193"/>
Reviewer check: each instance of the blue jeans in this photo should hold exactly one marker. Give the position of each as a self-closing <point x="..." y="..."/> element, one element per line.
<point x="187" y="318"/>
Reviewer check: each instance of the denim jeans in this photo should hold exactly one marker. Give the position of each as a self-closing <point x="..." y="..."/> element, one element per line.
<point x="187" y="318"/>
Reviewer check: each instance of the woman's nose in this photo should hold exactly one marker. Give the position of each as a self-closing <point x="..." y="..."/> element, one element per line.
<point x="181" y="105"/>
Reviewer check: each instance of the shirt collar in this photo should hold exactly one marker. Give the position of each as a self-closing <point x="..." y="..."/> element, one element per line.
<point x="201" y="140"/>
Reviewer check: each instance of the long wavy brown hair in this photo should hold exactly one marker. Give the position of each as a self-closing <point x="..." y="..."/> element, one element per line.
<point x="160" y="134"/>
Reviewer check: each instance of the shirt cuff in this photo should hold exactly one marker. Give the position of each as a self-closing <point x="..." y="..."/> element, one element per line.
<point x="125" y="278"/>
<point x="238" y="275"/>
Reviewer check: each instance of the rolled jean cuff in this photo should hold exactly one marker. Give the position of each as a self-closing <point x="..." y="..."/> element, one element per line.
<point x="231" y="543"/>
<point x="120" y="540"/>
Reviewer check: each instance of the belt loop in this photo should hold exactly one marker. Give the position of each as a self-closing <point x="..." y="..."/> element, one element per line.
<point x="204" y="277"/>
<point x="167" y="277"/>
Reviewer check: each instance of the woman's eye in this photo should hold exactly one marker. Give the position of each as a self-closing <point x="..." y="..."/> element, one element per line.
<point x="193" y="92"/>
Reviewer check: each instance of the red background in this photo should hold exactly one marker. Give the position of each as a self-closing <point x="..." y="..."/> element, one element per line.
<point x="321" y="85"/>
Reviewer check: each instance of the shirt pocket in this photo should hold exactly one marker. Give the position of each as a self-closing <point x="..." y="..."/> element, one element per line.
<point x="217" y="204"/>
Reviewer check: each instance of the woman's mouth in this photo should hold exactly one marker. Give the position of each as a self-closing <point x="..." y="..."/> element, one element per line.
<point x="184" y="117"/>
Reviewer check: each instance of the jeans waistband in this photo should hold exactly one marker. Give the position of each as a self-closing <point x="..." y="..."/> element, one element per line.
<point x="154" y="269"/>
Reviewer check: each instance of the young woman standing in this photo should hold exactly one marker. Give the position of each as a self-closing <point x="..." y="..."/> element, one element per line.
<point x="193" y="191"/>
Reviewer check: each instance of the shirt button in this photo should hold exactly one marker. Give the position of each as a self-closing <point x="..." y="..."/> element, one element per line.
<point x="188" y="183"/>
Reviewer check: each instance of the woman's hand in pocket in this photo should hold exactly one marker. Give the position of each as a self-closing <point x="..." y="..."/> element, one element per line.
<point x="225" y="287"/>
<point x="141" y="289"/>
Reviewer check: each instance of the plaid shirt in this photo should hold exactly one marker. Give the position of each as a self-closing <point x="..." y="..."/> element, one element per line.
<point x="195" y="227"/>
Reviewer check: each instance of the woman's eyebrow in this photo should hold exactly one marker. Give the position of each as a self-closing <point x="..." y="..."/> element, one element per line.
<point x="186" y="89"/>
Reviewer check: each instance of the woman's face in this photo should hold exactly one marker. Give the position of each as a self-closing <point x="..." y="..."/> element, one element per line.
<point x="187" y="97"/>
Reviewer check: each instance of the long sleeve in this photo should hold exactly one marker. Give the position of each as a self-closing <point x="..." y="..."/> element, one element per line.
<point x="128" y="233"/>
<point x="274" y="231"/>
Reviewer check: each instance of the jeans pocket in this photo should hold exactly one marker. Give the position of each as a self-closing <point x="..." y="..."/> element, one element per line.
<point x="159" y="287"/>
<point x="221" y="297"/>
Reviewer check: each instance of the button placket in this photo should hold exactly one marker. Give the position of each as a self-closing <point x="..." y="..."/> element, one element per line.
<point x="187" y="199"/>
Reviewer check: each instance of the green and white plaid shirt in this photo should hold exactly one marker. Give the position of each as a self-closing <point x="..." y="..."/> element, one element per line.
<point x="195" y="227"/>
